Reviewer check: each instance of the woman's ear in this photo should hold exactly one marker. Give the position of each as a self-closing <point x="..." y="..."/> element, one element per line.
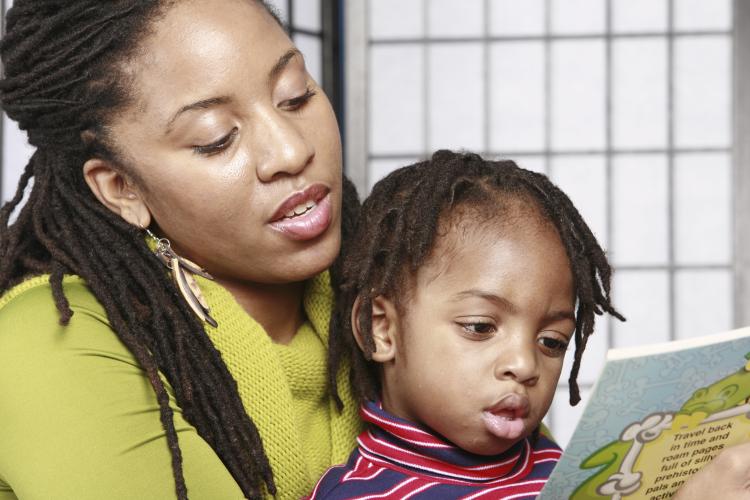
<point x="384" y="328"/>
<point x="116" y="192"/>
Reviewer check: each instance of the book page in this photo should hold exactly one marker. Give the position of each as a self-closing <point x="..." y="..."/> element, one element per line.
<point x="654" y="420"/>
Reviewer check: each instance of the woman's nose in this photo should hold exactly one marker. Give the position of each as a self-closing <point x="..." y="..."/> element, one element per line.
<point x="284" y="149"/>
<point x="517" y="361"/>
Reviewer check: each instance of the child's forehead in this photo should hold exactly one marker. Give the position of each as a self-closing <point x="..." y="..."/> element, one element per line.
<point x="491" y="217"/>
<point x="461" y="235"/>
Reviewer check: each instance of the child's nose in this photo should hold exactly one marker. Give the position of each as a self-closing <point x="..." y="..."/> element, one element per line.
<point x="518" y="361"/>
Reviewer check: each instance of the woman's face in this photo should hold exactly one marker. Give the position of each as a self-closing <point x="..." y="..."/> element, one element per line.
<point x="233" y="147"/>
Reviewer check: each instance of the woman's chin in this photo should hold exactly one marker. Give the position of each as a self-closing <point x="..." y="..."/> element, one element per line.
<point x="307" y="263"/>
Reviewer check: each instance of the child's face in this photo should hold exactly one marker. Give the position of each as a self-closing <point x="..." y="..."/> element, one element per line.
<point x="479" y="350"/>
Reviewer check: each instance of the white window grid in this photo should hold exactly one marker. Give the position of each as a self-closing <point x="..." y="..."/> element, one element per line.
<point x="367" y="160"/>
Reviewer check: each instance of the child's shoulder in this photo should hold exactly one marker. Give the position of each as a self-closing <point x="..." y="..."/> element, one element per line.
<point x="546" y="437"/>
<point x="328" y="483"/>
<point x="358" y="476"/>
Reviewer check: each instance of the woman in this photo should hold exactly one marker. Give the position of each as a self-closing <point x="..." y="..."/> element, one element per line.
<point x="188" y="134"/>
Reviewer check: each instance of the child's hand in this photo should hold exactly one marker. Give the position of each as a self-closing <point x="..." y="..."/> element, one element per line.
<point x="727" y="477"/>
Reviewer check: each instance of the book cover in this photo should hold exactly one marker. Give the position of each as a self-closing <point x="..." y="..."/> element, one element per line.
<point x="656" y="416"/>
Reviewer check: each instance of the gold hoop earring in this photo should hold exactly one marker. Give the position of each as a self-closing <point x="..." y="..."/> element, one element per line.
<point x="183" y="274"/>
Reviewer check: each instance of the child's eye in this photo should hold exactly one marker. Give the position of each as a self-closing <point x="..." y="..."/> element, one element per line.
<point x="553" y="346"/>
<point x="477" y="329"/>
<point x="296" y="103"/>
<point x="218" y="146"/>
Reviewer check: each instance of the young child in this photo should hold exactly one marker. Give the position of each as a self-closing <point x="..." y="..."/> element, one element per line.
<point x="464" y="284"/>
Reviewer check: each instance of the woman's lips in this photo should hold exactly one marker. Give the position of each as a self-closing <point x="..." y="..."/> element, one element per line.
<point x="313" y="193"/>
<point x="304" y="220"/>
<point x="505" y="418"/>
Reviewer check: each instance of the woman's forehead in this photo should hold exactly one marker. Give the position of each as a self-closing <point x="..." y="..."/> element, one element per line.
<point x="206" y="47"/>
<point x="209" y="33"/>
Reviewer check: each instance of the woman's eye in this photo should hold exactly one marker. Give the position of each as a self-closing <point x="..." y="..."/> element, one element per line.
<point x="218" y="146"/>
<point x="553" y="346"/>
<point x="297" y="102"/>
<point x="478" y="329"/>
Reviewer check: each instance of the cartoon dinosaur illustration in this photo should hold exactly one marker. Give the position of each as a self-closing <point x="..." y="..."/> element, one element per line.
<point x="722" y="394"/>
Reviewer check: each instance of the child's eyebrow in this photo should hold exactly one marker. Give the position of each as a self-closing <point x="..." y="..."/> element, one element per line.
<point x="560" y="315"/>
<point x="509" y="306"/>
<point x="489" y="296"/>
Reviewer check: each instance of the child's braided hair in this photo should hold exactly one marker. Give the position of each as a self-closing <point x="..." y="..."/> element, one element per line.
<point x="396" y="232"/>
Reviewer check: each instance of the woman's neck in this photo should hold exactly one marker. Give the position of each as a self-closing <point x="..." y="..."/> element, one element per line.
<point x="277" y="308"/>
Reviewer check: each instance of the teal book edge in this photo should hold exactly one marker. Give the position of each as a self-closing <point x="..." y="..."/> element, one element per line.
<point x="657" y="414"/>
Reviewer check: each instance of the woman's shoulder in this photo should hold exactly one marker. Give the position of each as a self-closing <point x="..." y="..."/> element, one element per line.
<point x="35" y="293"/>
<point x="30" y="321"/>
<point x="77" y="392"/>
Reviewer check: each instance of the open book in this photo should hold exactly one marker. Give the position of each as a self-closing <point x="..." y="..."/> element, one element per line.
<point x="656" y="416"/>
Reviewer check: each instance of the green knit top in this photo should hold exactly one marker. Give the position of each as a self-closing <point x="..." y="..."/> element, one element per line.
<point x="79" y="419"/>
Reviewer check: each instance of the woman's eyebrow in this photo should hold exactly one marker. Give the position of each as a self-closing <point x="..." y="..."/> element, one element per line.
<point x="202" y="104"/>
<point x="282" y="63"/>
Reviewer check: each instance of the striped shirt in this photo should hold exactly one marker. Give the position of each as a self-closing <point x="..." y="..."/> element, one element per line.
<point x="396" y="459"/>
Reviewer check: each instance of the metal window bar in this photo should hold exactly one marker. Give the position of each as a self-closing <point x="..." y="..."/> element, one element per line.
<point x="426" y="115"/>
<point x="608" y="146"/>
<point x="548" y="36"/>
<point x="570" y="152"/>
<point x="741" y="162"/>
<point x="487" y="74"/>
<point x="331" y="19"/>
<point x="330" y="38"/>
<point x="355" y="99"/>
<point x="2" y="115"/>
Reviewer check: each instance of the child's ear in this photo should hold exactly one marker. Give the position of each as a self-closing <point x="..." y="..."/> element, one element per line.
<point x="384" y="328"/>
